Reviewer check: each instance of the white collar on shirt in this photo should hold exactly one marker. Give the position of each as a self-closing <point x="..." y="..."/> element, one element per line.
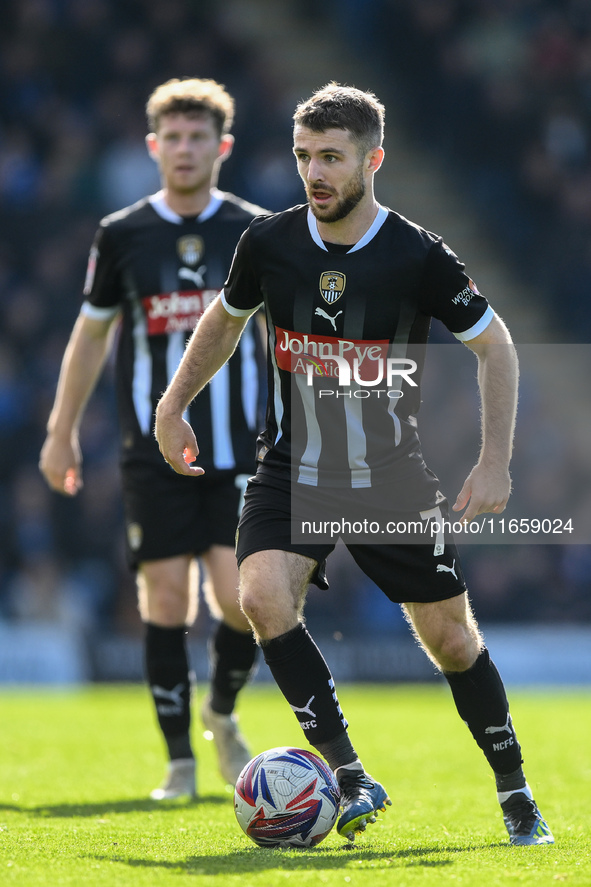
<point x="165" y="212"/>
<point x="369" y="234"/>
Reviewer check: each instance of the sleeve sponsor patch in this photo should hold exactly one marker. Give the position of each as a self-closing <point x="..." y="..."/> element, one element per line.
<point x="466" y="295"/>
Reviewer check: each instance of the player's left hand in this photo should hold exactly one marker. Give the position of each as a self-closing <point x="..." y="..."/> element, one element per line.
<point x="486" y="489"/>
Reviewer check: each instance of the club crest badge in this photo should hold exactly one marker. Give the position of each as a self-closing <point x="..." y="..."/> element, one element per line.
<point x="190" y="249"/>
<point x="332" y="285"/>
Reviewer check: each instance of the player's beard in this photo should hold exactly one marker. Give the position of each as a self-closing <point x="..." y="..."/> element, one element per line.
<point x="353" y="193"/>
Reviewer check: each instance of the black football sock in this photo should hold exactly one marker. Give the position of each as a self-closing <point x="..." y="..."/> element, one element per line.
<point x="339" y="752"/>
<point x="232" y="656"/>
<point x="167" y="670"/>
<point x="482" y="703"/>
<point x="303" y="677"/>
<point x="510" y="782"/>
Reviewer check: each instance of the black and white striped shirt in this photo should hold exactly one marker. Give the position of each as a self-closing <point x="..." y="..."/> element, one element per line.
<point x="161" y="270"/>
<point x="336" y="321"/>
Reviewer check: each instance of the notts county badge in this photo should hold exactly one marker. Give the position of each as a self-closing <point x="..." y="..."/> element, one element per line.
<point x="332" y="285"/>
<point x="190" y="249"/>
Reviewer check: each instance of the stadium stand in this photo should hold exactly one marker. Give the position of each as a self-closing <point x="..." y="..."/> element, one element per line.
<point x="512" y="139"/>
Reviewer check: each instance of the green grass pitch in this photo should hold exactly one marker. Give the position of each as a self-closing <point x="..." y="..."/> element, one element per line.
<point x="76" y="769"/>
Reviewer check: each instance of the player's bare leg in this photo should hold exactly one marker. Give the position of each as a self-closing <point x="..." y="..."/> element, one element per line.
<point x="273" y="588"/>
<point x="221" y="587"/>
<point x="450" y="636"/>
<point x="167" y="591"/>
<point x="167" y="595"/>
<point x="233" y="653"/>
<point x="447" y="631"/>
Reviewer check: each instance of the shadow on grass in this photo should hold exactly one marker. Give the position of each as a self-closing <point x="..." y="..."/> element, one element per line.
<point x="130" y="805"/>
<point x="260" y="859"/>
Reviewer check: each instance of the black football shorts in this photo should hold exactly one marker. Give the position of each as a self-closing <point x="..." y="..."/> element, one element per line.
<point x="168" y="514"/>
<point x="404" y="572"/>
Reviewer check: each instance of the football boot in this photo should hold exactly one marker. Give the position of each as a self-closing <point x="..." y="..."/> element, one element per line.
<point x="361" y="798"/>
<point x="524" y="822"/>
<point x="180" y="781"/>
<point x="232" y="750"/>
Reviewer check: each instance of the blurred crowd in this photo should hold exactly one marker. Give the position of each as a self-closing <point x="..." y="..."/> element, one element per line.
<point x="502" y="88"/>
<point x="500" y="91"/>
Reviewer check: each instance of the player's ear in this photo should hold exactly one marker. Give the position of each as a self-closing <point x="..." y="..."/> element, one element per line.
<point x="375" y="159"/>
<point x="226" y="145"/>
<point x="152" y="146"/>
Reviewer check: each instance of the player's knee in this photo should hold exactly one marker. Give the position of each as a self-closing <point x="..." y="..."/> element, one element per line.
<point x="164" y="604"/>
<point x="253" y="604"/>
<point x="265" y="612"/>
<point x="456" y="650"/>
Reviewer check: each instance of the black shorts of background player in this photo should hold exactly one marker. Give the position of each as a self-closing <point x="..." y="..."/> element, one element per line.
<point x="342" y="280"/>
<point x="152" y="270"/>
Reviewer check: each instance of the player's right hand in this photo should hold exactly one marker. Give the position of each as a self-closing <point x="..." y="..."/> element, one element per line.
<point x="177" y="443"/>
<point x="60" y="464"/>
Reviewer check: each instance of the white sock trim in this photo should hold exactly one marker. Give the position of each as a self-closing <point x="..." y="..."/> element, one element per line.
<point x="354" y="765"/>
<point x="504" y="796"/>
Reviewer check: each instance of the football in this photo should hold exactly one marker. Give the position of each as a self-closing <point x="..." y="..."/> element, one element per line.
<point x="286" y="797"/>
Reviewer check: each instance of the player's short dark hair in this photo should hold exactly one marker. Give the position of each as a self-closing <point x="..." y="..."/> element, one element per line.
<point x="193" y="97"/>
<point x="344" y="107"/>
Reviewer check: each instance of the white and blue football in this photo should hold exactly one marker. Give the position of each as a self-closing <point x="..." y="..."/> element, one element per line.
<point x="286" y="797"/>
